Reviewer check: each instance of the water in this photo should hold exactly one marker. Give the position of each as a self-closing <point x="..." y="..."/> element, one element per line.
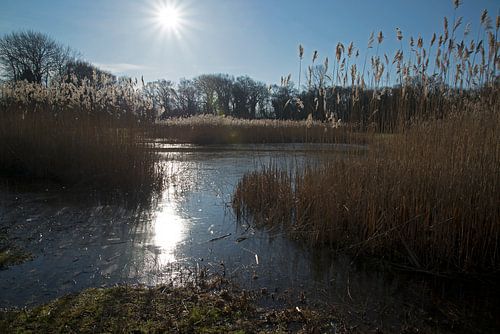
<point x="192" y="228"/>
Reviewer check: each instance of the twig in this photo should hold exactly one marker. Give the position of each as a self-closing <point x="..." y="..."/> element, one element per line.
<point x="219" y="238"/>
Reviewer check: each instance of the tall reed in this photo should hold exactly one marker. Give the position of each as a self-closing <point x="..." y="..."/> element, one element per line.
<point x="428" y="194"/>
<point x="421" y="80"/>
<point x="77" y="134"/>
<point x="209" y="129"/>
<point x="427" y="198"/>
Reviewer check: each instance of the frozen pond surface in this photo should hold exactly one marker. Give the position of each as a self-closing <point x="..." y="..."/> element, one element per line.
<point x="192" y="228"/>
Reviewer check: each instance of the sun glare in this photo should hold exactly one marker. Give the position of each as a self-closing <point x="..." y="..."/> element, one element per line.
<point x="169" y="17"/>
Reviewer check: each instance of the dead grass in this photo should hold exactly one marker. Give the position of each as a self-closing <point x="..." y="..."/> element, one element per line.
<point x="427" y="197"/>
<point x="78" y="134"/>
<point x="214" y="308"/>
<point x="85" y="152"/>
<point x="209" y="129"/>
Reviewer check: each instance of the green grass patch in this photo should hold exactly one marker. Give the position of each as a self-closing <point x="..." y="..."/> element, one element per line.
<point x="162" y="309"/>
<point x="13" y="256"/>
<point x="10" y="254"/>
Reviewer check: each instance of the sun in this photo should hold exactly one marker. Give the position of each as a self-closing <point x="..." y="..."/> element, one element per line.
<point x="169" y="17"/>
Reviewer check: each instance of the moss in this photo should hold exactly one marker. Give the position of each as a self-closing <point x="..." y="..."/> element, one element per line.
<point x="11" y="257"/>
<point x="151" y="310"/>
<point x="10" y="254"/>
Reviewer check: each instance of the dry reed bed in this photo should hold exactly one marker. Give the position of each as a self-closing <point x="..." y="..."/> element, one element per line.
<point x="428" y="195"/>
<point x="78" y="135"/>
<point x="370" y="87"/>
<point x="427" y="198"/>
<point x="87" y="152"/>
<point x="209" y="129"/>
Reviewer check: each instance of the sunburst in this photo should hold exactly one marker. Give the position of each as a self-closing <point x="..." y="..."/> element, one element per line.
<point x="169" y="17"/>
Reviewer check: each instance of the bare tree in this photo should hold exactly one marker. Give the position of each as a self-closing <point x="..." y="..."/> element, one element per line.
<point x="188" y="98"/>
<point x="32" y="56"/>
<point x="248" y="95"/>
<point x="223" y="84"/>
<point x="163" y="95"/>
<point x="283" y="103"/>
<point x="206" y="88"/>
<point x="77" y="71"/>
<point x="216" y="93"/>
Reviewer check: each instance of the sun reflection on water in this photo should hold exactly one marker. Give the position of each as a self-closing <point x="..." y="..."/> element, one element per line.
<point x="169" y="228"/>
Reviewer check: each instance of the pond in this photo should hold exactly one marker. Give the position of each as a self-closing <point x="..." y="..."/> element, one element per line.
<point x="190" y="229"/>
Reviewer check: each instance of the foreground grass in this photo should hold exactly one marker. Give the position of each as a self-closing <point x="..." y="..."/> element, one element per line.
<point x="426" y="198"/>
<point x="162" y="309"/>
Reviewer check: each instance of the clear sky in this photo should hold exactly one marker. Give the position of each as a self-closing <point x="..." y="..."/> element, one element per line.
<point x="258" y="38"/>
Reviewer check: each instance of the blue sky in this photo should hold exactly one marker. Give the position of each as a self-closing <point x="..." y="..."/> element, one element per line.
<point x="258" y="38"/>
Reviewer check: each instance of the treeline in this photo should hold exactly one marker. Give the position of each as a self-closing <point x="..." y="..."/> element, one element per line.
<point x="36" y="69"/>
<point x="377" y="90"/>
<point x="216" y="94"/>
<point x="41" y="73"/>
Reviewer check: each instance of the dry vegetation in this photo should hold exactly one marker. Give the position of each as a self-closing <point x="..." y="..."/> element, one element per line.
<point x="209" y="129"/>
<point x="427" y="196"/>
<point x="428" y="193"/>
<point x="214" y="306"/>
<point x="74" y="133"/>
<point x="371" y="89"/>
